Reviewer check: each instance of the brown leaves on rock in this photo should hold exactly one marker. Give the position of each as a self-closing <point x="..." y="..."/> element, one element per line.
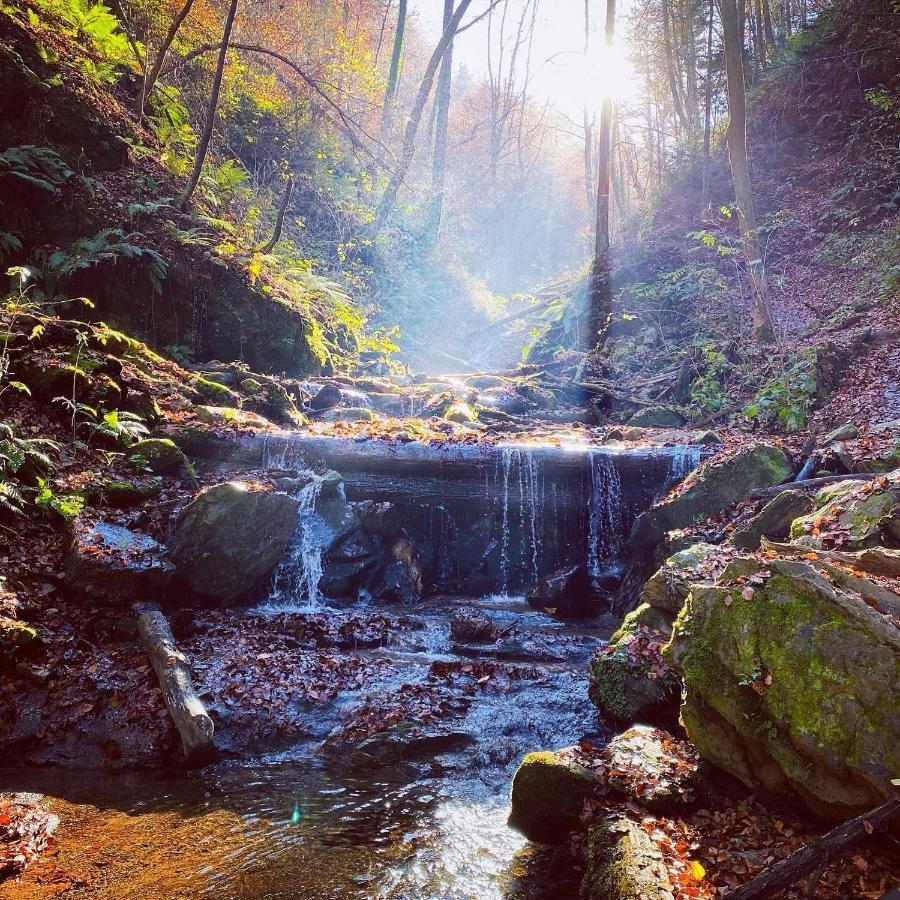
<point x="26" y="829"/>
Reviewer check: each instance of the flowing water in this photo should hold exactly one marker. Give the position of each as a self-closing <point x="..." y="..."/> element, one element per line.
<point x="432" y="824"/>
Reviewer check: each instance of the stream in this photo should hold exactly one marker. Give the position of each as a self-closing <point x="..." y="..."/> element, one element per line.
<point x="422" y="814"/>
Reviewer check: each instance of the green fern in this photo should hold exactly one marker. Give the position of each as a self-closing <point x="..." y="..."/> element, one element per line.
<point x="37" y="166"/>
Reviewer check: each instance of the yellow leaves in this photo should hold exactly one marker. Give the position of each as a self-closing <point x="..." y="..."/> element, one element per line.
<point x="697" y="870"/>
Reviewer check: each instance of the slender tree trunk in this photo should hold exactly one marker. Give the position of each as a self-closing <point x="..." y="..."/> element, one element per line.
<point x="439" y="162"/>
<point x="386" y="205"/>
<point x="759" y="36"/>
<point x="588" y="127"/>
<point x="707" y="110"/>
<point x="671" y="68"/>
<point x="153" y="76"/>
<point x="691" y="97"/>
<point x="600" y="287"/>
<point x="269" y="245"/>
<point x="763" y="326"/>
<point x="767" y="25"/>
<point x="394" y="71"/>
<point x="216" y="88"/>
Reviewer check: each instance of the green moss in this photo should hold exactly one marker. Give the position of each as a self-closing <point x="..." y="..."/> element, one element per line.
<point x="210" y="390"/>
<point x="17" y="640"/>
<point x="645" y="614"/>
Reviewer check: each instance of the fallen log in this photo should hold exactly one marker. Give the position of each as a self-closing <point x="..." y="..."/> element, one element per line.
<point x="810" y="858"/>
<point x="762" y="493"/>
<point x="171" y="666"/>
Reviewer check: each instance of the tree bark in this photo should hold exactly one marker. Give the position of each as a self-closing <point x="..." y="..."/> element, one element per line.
<point x="672" y="69"/>
<point x="600" y="286"/>
<point x="185" y="707"/>
<point x="807" y="859"/>
<point x="151" y="79"/>
<point x="763" y="326"/>
<point x="439" y="161"/>
<point x="269" y="245"/>
<point x="216" y="88"/>
<point x="386" y="205"/>
<point x="707" y="111"/>
<point x="394" y="71"/>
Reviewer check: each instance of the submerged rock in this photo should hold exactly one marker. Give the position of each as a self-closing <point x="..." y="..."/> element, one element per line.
<point x="472" y="626"/>
<point x="569" y="594"/>
<point x="774" y="520"/>
<point x="113" y="563"/>
<point x="548" y="794"/>
<point x="230" y="537"/>
<point x="791" y="685"/>
<point x="712" y="489"/>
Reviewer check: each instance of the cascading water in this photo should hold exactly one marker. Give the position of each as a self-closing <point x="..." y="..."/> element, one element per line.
<point x="297" y="577"/>
<point x="683" y="461"/>
<point x="605" y="517"/>
<point x="521" y="488"/>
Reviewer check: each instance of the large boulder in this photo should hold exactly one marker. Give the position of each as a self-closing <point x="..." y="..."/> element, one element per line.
<point x="774" y="520"/>
<point x="791" y="684"/>
<point x="712" y="489"/>
<point x="853" y="515"/>
<point x="657" y="417"/>
<point x="668" y="587"/>
<point x="114" y="563"/>
<point x="548" y="794"/>
<point x="230" y="537"/>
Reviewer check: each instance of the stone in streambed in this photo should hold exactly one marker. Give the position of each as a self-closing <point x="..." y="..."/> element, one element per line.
<point x="328" y="396"/>
<point x="230" y="537"/>
<point x="472" y="626"/>
<point x="348" y="414"/>
<point x="548" y="794"/>
<point x="569" y="594"/>
<point x="657" y="417"/>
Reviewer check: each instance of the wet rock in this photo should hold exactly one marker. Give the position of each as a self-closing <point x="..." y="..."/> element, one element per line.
<point x="623" y="863"/>
<point x="230" y="417"/>
<point x="712" y="489"/>
<point x="792" y="686"/>
<point x="113" y="563"/>
<point x="461" y="413"/>
<point x="630" y="681"/>
<point x="569" y="594"/>
<point x="348" y="414"/>
<point x="230" y="537"/>
<point x="347" y="565"/>
<point x="472" y="626"/>
<point x="854" y="513"/>
<point x="327" y="397"/>
<point x="406" y="741"/>
<point x="400" y="579"/>
<point x="548" y="793"/>
<point x="773" y="521"/>
<point x="668" y="587"/>
<point x="657" y="417"/>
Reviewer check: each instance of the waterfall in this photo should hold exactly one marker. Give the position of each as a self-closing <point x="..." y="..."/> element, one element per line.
<point x="682" y="461"/>
<point x="296" y="580"/>
<point x="520" y="540"/>
<point x="506" y="462"/>
<point x="605" y="520"/>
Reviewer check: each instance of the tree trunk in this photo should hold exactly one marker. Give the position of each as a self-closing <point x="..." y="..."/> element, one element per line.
<point x="216" y="88"/>
<point x="600" y="287"/>
<point x="151" y="79"/>
<point x="269" y="246"/>
<point x="707" y="112"/>
<point x="672" y="69"/>
<point x="763" y="327"/>
<point x="394" y="71"/>
<point x="439" y="162"/>
<point x="588" y="128"/>
<point x="767" y="24"/>
<point x="185" y="707"/>
<point x="386" y="205"/>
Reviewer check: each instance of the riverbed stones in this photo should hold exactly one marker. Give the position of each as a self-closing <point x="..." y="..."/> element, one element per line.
<point x="791" y="685"/>
<point x="774" y="520"/>
<point x="230" y="417"/>
<point x="568" y="594"/>
<point x="470" y="625"/>
<point x="668" y="587"/>
<point x="114" y="563"/>
<point x="327" y="397"/>
<point x="230" y="537"/>
<point x="548" y="794"/>
<point x="712" y="489"/>
<point x="657" y="417"/>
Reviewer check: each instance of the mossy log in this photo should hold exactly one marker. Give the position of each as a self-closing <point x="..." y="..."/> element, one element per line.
<point x="173" y="671"/>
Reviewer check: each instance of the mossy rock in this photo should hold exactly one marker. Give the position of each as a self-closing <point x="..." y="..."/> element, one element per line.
<point x="624" y="863"/>
<point x="849" y="511"/>
<point x="668" y="587"/>
<point x="655" y="619"/>
<point x="884" y="462"/>
<point x="230" y="417"/>
<point x="461" y="413"/>
<point x="774" y="520"/>
<point x="712" y="489"/>
<point x="212" y="390"/>
<point x="657" y="417"/>
<point x="795" y="689"/>
<point x="349" y="414"/>
<point x="123" y="493"/>
<point x="18" y="641"/>
<point x="163" y="455"/>
<point x="548" y="793"/>
<point x="251" y="386"/>
<point x="58" y="380"/>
